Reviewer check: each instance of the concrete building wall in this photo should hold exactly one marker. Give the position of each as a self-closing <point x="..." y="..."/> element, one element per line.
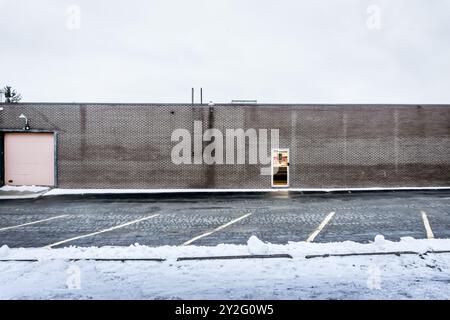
<point x="129" y="145"/>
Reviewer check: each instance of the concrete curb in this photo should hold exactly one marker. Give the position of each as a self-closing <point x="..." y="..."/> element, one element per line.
<point x="237" y="257"/>
<point x="86" y="259"/>
<point x="252" y="256"/>
<point x="166" y="192"/>
<point x="397" y="253"/>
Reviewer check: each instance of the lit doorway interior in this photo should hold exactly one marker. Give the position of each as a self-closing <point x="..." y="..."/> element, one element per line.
<point x="280" y="168"/>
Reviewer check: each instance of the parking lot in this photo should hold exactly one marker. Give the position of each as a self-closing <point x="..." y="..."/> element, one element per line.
<point x="213" y="218"/>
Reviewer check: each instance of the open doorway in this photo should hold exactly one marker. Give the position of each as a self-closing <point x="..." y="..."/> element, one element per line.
<point x="280" y="168"/>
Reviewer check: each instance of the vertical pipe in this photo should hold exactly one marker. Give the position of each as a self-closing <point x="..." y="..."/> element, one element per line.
<point x="192" y="95"/>
<point x="396" y="140"/>
<point x="201" y="95"/>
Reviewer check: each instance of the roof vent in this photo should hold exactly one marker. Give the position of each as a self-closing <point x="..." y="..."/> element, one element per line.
<point x="244" y="101"/>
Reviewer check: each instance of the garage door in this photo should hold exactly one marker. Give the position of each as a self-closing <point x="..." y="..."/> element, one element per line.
<point x="29" y="159"/>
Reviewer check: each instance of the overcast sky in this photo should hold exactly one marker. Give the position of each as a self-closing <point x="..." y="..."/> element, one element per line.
<point x="317" y="51"/>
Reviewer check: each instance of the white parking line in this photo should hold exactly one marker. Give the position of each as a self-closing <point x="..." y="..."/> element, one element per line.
<point x="322" y="225"/>
<point x="34" y="222"/>
<point x="101" y="231"/>
<point x="426" y="223"/>
<point x="216" y="229"/>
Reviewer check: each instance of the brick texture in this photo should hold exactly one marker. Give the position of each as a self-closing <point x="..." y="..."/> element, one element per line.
<point x="129" y="146"/>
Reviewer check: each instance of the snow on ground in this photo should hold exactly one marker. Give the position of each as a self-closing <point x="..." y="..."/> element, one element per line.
<point x="354" y="277"/>
<point x="24" y="188"/>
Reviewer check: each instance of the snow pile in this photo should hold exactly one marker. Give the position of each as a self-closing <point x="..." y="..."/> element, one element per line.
<point x="54" y="276"/>
<point x="24" y="188"/>
<point x="256" y="246"/>
<point x="4" y="250"/>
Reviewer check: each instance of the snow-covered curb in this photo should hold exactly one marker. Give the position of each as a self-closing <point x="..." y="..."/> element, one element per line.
<point x="255" y="246"/>
<point x="21" y="192"/>
<point x="46" y="191"/>
<point x="24" y="188"/>
<point x="37" y="191"/>
<point x="59" y="191"/>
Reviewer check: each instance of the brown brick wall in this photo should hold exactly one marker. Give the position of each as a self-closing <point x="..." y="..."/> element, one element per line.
<point x="128" y="146"/>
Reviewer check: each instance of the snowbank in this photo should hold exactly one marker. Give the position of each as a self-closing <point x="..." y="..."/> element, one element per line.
<point x="352" y="277"/>
<point x="24" y="188"/>
<point x="254" y="246"/>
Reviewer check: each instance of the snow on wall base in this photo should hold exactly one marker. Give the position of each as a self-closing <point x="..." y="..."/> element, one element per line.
<point x="58" y="191"/>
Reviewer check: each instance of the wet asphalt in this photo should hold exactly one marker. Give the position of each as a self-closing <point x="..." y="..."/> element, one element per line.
<point x="274" y="217"/>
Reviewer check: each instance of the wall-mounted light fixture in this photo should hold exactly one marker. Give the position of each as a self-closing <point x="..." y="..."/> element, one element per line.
<point x="26" y="127"/>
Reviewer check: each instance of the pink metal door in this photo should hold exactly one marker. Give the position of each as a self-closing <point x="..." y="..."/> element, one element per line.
<point x="29" y="159"/>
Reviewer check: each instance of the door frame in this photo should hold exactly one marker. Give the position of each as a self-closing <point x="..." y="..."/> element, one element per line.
<point x="271" y="167"/>
<point x="2" y="151"/>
